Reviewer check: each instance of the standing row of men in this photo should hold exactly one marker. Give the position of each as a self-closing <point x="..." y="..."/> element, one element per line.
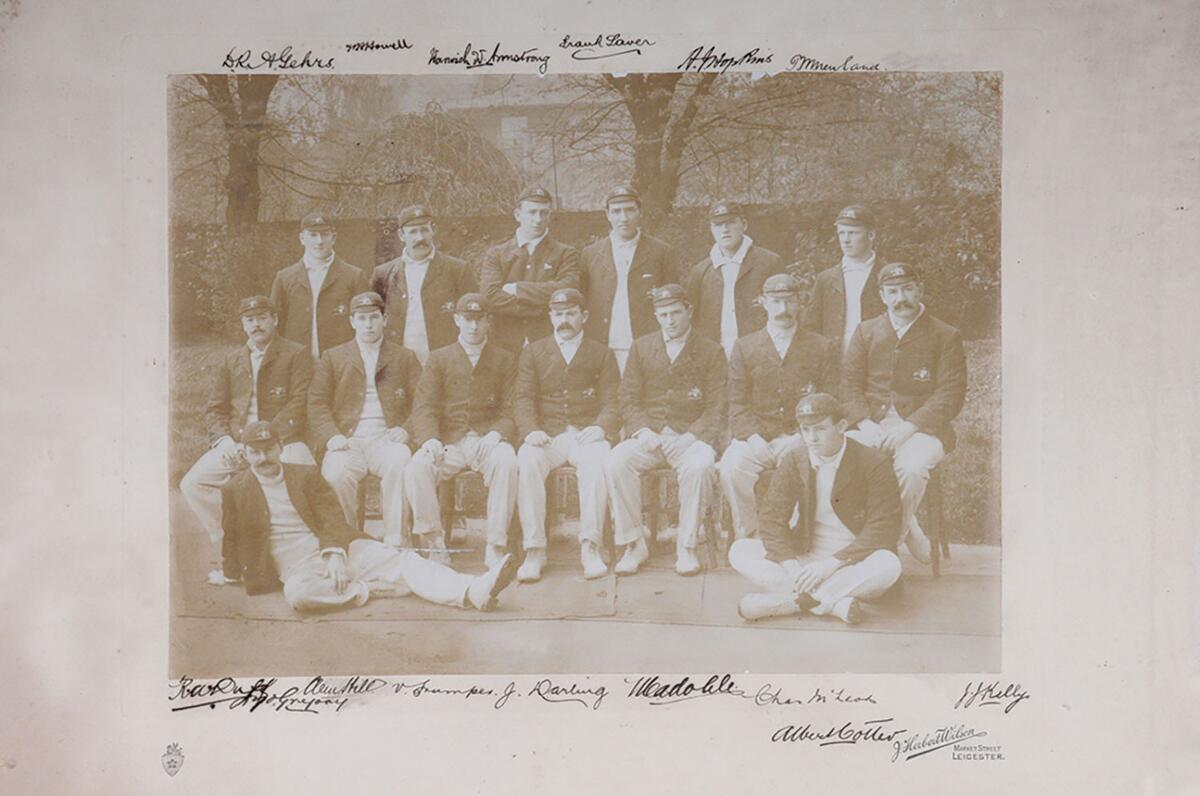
<point x="422" y="377"/>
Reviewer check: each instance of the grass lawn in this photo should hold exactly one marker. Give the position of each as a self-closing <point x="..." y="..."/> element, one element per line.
<point x="970" y="474"/>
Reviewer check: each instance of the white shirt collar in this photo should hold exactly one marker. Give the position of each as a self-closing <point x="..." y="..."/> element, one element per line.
<point x="524" y="240"/>
<point x="719" y="259"/>
<point x="256" y="351"/>
<point x="262" y="479"/>
<point x="849" y="264"/>
<point x="902" y="329"/>
<point x="624" y="244"/>
<point x="472" y="350"/>
<point x="572" y="343"/>
<point x="835" y="460"/>
<point x="409" y="261"/>
<point x="317" y="265"/>
<point x="680" y="341"/>
<point x="781" y="334"/>
<point x="371" y="349"/>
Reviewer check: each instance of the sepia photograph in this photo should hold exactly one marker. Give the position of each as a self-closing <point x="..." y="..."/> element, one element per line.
<point x="591" y="373"/>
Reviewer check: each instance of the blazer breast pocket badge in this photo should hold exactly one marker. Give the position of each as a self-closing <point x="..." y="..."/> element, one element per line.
<point x="695" y="394"/>
<point x="490" y="400"/>
<point x="339" y="309"/>
<point x="590" y="392"/>
<point x="399" y="393"/>
<point x="807" y="389"/>
<point x="448" y="306"/>
<point x="922" y="375"/>
<point x="277" y="392"/>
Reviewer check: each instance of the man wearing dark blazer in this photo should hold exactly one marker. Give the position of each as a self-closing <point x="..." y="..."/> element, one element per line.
<point x="843" y="549"/>
<point x="358" y="408"/>
<point x="266" y="379"/>
<point x="317" y="324"/>
<point x="462" y="419"/>
<point x="673" y="401"/>
<point x="565" y="405"/>
<point x="770" y="371"/>
<point x="618" y="273"/>
<point x="846" y="294"/>
<point x="283" y="527"/>
<point x="519" y="275"/>
<point x="904" y="381"/>
<point x="420" y="286"/>
<point x="724" y="287"/>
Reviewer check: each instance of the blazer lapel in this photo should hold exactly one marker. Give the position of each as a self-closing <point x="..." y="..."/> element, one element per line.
<point x="748" y="263"/>
<point x="295" y="488"/>
<point x="434" y="276"/>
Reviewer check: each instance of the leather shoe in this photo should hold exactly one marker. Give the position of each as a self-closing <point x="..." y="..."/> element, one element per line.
<point x="531" y="570"/>
<point x="593" y="564"/>
<point x="635" y="555"/>
<point x="849" y="610"/>
<point x="485" y="588"/>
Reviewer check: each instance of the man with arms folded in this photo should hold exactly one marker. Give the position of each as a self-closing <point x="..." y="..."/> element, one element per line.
<point x="843" y="549"/>
<point x="519" y="275"/>
<point x="565" y="403"/>
<point x="266" y="379"/>
<point x="619" y="271"/>
<point x="846" y="294"/>
<point x="904" y="380"/>
<point x="770" y="371"/>
<point x="462" y="419"/>
<point x="420" y="286"/>
<point x="724" y="287"/>
<point x="283" y="525"/>
<point x="358" y="404"/>
<point x="313" y="295"/>
<point x="673" y="402"/>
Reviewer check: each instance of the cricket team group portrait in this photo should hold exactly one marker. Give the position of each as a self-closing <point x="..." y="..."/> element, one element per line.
<point x="509" y="353"/>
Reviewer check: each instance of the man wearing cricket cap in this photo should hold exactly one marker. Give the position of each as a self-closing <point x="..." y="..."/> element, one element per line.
<point x="359" y="405"/>
<point x="462" y="420"/>
<point x="566" y="409"/>
<point x="519" y="275"/>
<point x="843" y="549"/>
<point x="265" y="379"/>
<point x="283" y="526"/>
<point x="770" y="370"/>
<point x="618" y="273"/>
<point x="846" y="294"/>
<point x="420" y="287"/>
<point x="904" y="381"/>
<point x="312" y="296"/>
<point x="673" y="402"/>
<point x="724" y="287"/>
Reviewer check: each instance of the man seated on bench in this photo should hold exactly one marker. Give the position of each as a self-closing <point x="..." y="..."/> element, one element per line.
<point x="462" y="420"/>
<point x="283" y="523"/>
<point x="565" y="405"/>
<point x="674" y="404"/>
<point x="843" y="549"/>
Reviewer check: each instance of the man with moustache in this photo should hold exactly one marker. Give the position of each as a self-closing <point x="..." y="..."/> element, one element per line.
<point x="843" y="548"/>
<point x="724" y="287"/>
<point x="312" y="296"/>
<point x="847" y="294"/>
<point x="420" y="286"/>
<point x="283" y="527"/>
<point x="619" y="271"/>
<point x="358" y="404"/>
<point x="905" y="380"/>
<point x="770" y="371"/>
<point x="673" y="401"/>
<point x="462" y="419"/>
<point x="519" y="275"/>
<point x="565" y="404"/>
<point x="266" y="379"/>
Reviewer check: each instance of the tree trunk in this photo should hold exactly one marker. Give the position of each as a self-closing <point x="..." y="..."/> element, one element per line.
<point x="242" y="103"/>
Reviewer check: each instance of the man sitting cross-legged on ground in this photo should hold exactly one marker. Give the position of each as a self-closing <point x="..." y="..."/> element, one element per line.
<point x="282" y="523"/>
<point x="843" y="549"/>
<point x="565" y="404"/>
